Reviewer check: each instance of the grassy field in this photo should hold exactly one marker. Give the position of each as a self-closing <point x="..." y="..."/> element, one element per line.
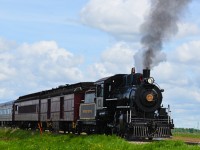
<point x="193" y="135"/>
<point x="13" y="139"/>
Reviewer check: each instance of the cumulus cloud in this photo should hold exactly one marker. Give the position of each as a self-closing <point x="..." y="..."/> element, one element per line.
<point x="120" y="18"/>
<point x="29" y="68"/>
<point x="123" y="18"/>
<point x="115" y="59"/>
<point x="48" y="59"/>
<point x="6" y="45"/>
<point x="188" y="52"/>
<point x="186" y="29"/>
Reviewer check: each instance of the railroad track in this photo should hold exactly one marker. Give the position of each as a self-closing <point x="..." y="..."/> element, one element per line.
<point x="193" y="143"/>
<point x="186" y="140"/>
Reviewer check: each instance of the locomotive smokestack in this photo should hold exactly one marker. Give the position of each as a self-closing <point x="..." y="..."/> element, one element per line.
<point x="146" y="73"/>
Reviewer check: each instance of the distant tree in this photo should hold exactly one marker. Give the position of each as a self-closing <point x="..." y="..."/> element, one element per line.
<point x="186" y="130"/>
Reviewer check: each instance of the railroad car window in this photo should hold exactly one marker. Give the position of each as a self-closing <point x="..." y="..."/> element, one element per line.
<point x="27" y="109"/>
<point x="16" y="107"/>
<point x="61" y="107"/>
<point x="49" y="109"/>
<point x="89" y="97"/>
<point x="9" y="111"/>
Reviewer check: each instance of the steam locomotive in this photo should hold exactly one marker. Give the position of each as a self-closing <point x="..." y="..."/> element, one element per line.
<point x="128" y="105"/>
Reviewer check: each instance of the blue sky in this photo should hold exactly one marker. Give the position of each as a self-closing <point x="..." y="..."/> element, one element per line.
<point x="44" y="44"/>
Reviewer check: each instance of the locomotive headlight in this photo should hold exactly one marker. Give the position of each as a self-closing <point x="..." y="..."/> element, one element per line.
<point x="150" y="80"/>
<point x="149" y="97"/>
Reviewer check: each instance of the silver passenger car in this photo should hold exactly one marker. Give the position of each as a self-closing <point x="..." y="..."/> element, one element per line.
<point x="54" y="109"/>
<point x="6" y="113"/>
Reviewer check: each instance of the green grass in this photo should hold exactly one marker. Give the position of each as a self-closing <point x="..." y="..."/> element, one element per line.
<point x="190" y="135"/>
<point x="186" y="132"/>
<point x="12" y="139"/>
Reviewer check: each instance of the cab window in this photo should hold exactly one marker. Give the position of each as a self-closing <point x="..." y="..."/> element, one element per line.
<point x="100" y="90"/>
<point x="89" y="97"/>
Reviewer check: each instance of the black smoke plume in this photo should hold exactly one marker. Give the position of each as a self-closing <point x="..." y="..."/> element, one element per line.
<point x="160" y="25"/>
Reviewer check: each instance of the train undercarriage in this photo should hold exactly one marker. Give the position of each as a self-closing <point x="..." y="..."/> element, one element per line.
<point x="129" y="128"/>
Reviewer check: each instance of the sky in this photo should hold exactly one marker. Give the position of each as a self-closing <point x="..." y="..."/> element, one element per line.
<point x="44" y="44"/>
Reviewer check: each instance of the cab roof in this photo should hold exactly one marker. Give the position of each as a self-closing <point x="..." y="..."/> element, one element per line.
<point x="110" y="78"/>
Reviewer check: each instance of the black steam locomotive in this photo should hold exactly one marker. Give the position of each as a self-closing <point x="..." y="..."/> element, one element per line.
<point x="128" y="105"/>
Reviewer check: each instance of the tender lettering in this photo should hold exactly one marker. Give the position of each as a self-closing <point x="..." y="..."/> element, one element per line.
<point x="87" y="111"/>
